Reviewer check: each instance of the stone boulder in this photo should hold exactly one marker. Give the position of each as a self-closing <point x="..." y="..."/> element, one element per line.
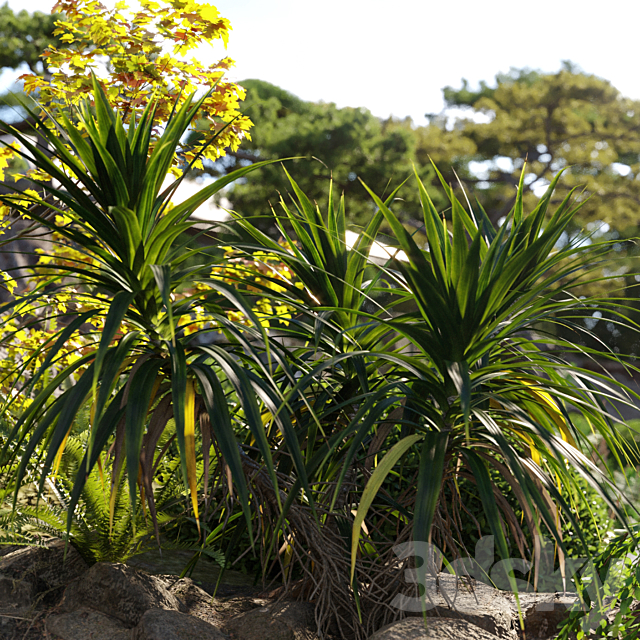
<point x="193" y="600"/>
<point x="229" y="608"/>
<point x="48" y="569"/>
<point x="120" y="592"/>
<point x="435" y="629"/>
<point x="543" y="612"/>
<point x="450" y="596"/>
<point x="16" y="595"/>
<point x="199" y="603"/>
<point x="277" y="621"/>
<point x="87" y="623"/>
<point x="32" y="579"/>
<point x="116" y="602"/>
<point x="161" y="624"/>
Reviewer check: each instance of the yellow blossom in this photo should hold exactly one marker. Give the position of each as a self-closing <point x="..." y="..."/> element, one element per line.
<point x="145" y="49"/>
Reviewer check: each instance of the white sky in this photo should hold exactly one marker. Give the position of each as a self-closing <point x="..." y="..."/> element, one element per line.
<point x="395" y="57"/>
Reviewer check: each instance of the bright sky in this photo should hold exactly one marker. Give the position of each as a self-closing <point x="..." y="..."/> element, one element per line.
<point x="395" y="57"/>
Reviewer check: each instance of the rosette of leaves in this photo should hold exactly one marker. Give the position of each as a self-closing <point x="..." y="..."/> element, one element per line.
<point x="146" y="371"/>
<point x="491" y="385"/>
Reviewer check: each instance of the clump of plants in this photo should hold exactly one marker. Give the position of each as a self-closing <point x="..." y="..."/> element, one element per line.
<point x="445" y="375"/>
<point x="609" y="595"/>
<point x="103" y="527"/>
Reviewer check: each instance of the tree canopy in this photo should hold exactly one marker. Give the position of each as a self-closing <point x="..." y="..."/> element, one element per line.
<point x="136" y="54"/>
<point x="347" y="144"/>
<point x="566" y="120"/>
<point x="144" y="52"/>
<point x="23" y="38"/>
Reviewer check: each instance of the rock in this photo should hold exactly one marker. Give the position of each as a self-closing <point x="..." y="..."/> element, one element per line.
<point x="279" y="621"/>
<point x="436" y="629"/>
<point x="31" y="574"/>
<point x="543" y="612"/>
<point x="187" y="591"/>
<point x="87" y="623"/>
<point x="47" y="568"/>
<point x="199" y="603"/>
<point x="470" y="600"/>
<point x="120" y="592"/>
<point x="16" y="595"/>
<point x="232" y="607"/>
<point x="160" y="624"/>
<point x="116" y="602"/>
<point x="196" y="601"/>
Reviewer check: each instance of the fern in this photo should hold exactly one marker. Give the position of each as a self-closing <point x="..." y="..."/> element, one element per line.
<point x="92" y="534"/>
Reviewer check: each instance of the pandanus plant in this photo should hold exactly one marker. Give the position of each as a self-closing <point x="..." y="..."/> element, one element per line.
<point x="494" y="389"/>
<point x="482" y="392"/>
<point x="100" y="188"/>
